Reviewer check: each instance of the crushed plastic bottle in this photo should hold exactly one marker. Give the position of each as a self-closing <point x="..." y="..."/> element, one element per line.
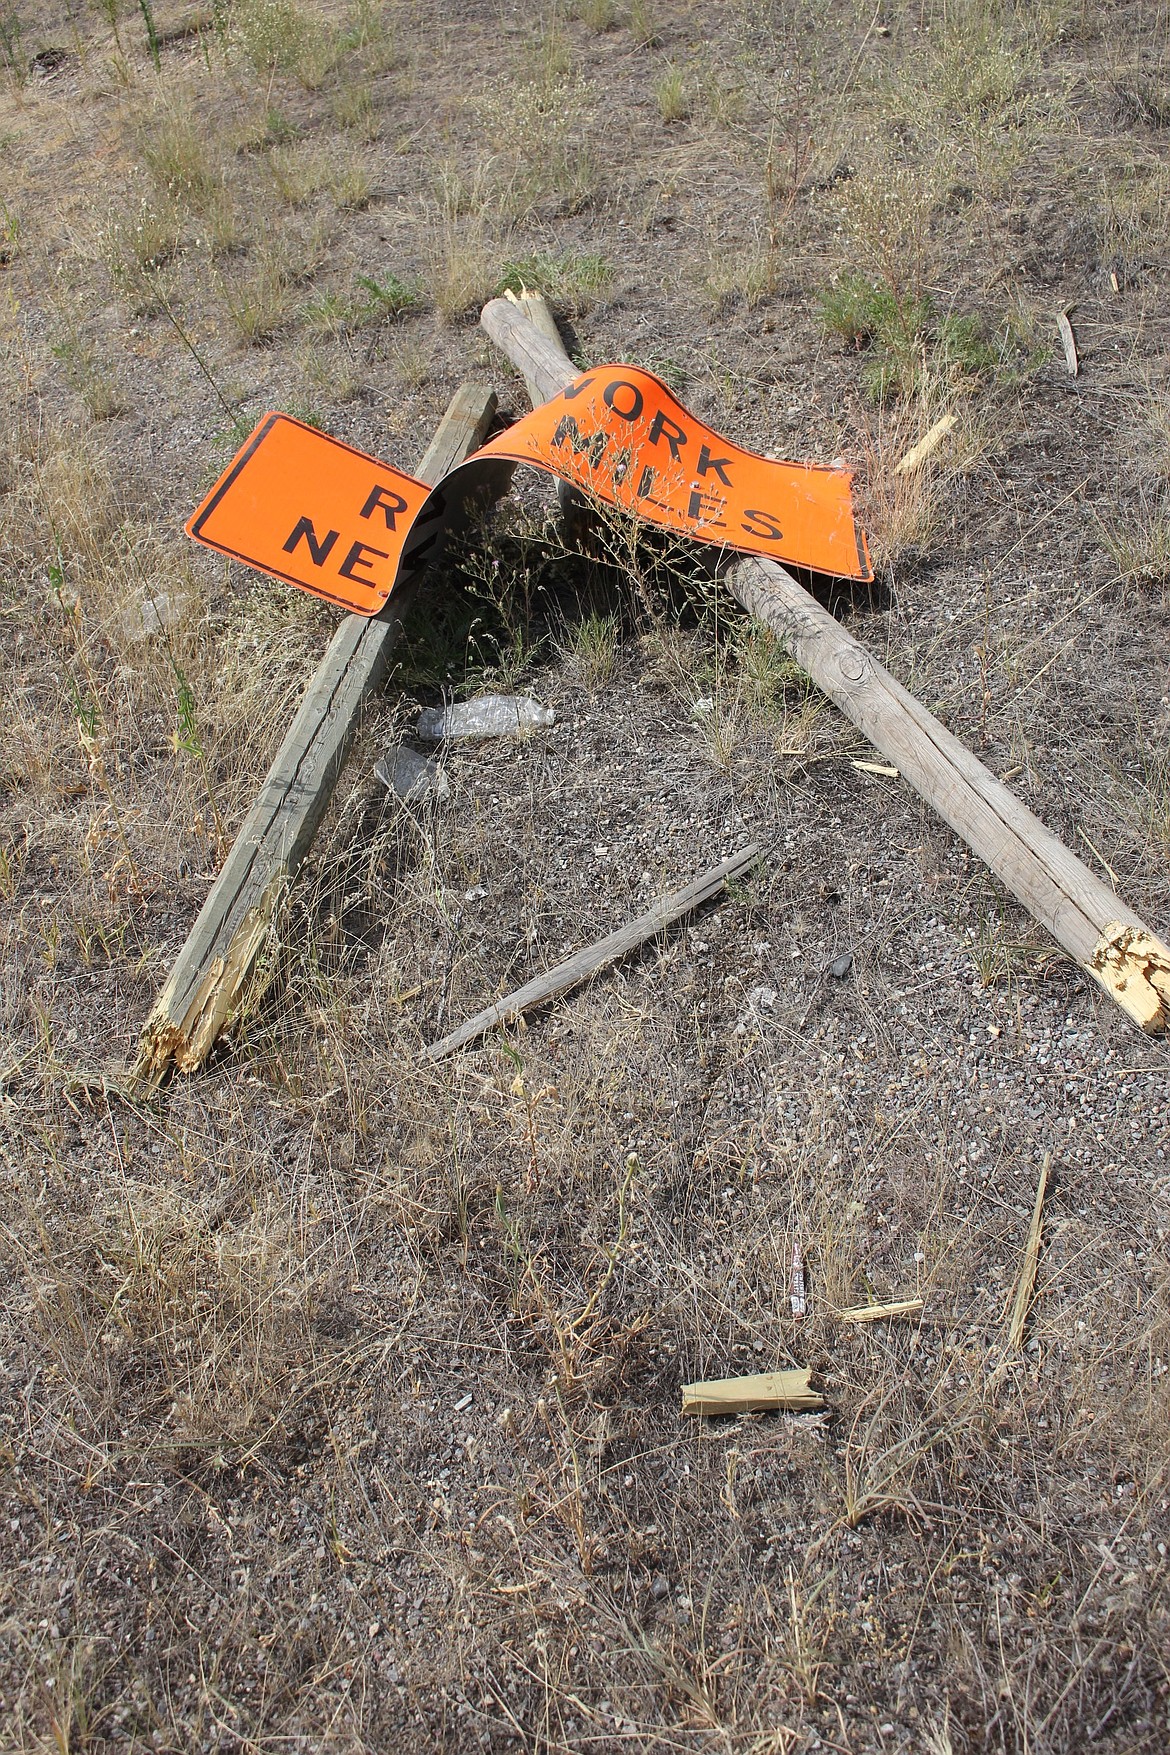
<point x="488" y="716"/>
<point x="411" y="776"/>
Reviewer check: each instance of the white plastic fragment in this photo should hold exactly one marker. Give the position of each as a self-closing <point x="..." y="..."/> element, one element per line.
<point x="798" y="1296"/>
<point x="411" y="776"/>
<point x="488" y="716"/>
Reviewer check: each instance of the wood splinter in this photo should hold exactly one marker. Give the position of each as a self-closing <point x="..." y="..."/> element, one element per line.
<point x="917" y="454"/>
<point x="880" y="1312"/>
<point x="747" y="1395"/>
<point x="1134" y="966"/>
<point x="1069" y="343"/>
<point x="1027" y="1283"/>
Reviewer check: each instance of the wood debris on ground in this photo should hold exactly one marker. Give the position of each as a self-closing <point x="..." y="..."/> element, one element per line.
<point x="746" y="1395"/>
<point x="917" y="454"/>
<point x="880" y="1312"/>
<point x="1027" y="1283"/>
<point x="1069" y="343"/>
<point x="586" y="962"/>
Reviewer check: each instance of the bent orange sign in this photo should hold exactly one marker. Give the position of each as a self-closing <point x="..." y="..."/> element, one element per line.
<point x="314" y="512"/>
<point x="320" y="515"/>
<point x="618" y="433"/>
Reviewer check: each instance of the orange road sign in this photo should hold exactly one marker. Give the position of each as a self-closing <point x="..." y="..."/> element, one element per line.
<point x="320" y="515"/>
<point x="618" y="433"/>
<point x="314" y="512"/>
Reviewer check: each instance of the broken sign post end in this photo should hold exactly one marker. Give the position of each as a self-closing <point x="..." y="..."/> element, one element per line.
<point x="1134" y="969"/>
<point x="185" y="1041"/>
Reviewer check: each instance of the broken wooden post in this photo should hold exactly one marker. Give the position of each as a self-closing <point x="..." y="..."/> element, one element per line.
<point x="1094" y="925"/>
<point x="586" y="962"/>
<point x="205" y="984"/>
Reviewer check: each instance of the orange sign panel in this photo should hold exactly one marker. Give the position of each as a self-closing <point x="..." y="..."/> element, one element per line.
<point x="323" y="516"/>
<point x="618" y="433"/>
<point x="314" y="512"/>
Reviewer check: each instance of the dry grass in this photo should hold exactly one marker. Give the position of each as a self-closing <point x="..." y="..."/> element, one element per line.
<point x="341" y="1389"/>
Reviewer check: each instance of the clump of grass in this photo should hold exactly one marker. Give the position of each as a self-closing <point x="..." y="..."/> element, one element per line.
<point x="180" y="158"/>
<point x="464" y="264"/>
<point x="886" y="215"/>
<point x="212" y="1318"/>
<point x="353" y="107"/>
<point x="375" y="301"/>
<point x="78" y="355"/>
<point x="187" y="740"/>
<point x="9" y="234"/>
<point x="1134" y="212"/>
<point x="259" y="295"/>
<point x="331" y="314"/>
<point x="766" y="669"/>
<point x="736" y="277"/>
<point x="300" y="171"/>
<point x="862" y="312"/>
<point x="388" y="297"/>
<point x="540" y="128"/>
<point x="872" y="315"/>
<point x="264" y="128"/>
<point x="136" y="244"/>
<point x="12" y="57"/>
<point x="351" y="185"/>
<point x="598" y="15"/>
<point x="642" y="24"/>
<point x="573" y="280"/>
<point x="911" y="350"/>
<point x="672" y="95"/>
<point x="1138" y="543"/>
<point x="279" y="36"/>
<point x="590" y="646"/>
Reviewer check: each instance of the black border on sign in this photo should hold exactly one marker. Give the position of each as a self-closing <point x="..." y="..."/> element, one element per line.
<point x="249" y="451"/>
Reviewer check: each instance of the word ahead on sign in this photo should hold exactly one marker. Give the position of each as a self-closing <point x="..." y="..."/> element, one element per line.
<point x="316" y="513"/>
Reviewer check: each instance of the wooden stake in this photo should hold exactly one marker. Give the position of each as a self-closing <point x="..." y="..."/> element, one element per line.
<point x="1108" y="940"/>
<point x="743" y="1395"/>
<point x="204" y="987"/>
<point x="584" y="963"/>
<point x="1027" y="1283"/>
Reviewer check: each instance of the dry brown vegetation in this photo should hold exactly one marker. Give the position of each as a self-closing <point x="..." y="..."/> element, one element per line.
<point x="340" y="1393"/>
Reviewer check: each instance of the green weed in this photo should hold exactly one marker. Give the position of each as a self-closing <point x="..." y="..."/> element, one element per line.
<point x="642" y="24"/>
<point x="151" y="33"/>
<point x="78" y="356"/>
<point x="1138" y="543"/>
<point x="599" y="15"/>
<point x="388" y="297"/>
<point x="11" y="55"/>
<point x="572" y="280"/>
<point x="186" y="740"/>
<point x="591" y="647"/>
<point x="672" y="96"/>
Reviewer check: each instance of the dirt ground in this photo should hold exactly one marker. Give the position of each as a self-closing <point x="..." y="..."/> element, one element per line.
<point x="340" y="1390"/>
